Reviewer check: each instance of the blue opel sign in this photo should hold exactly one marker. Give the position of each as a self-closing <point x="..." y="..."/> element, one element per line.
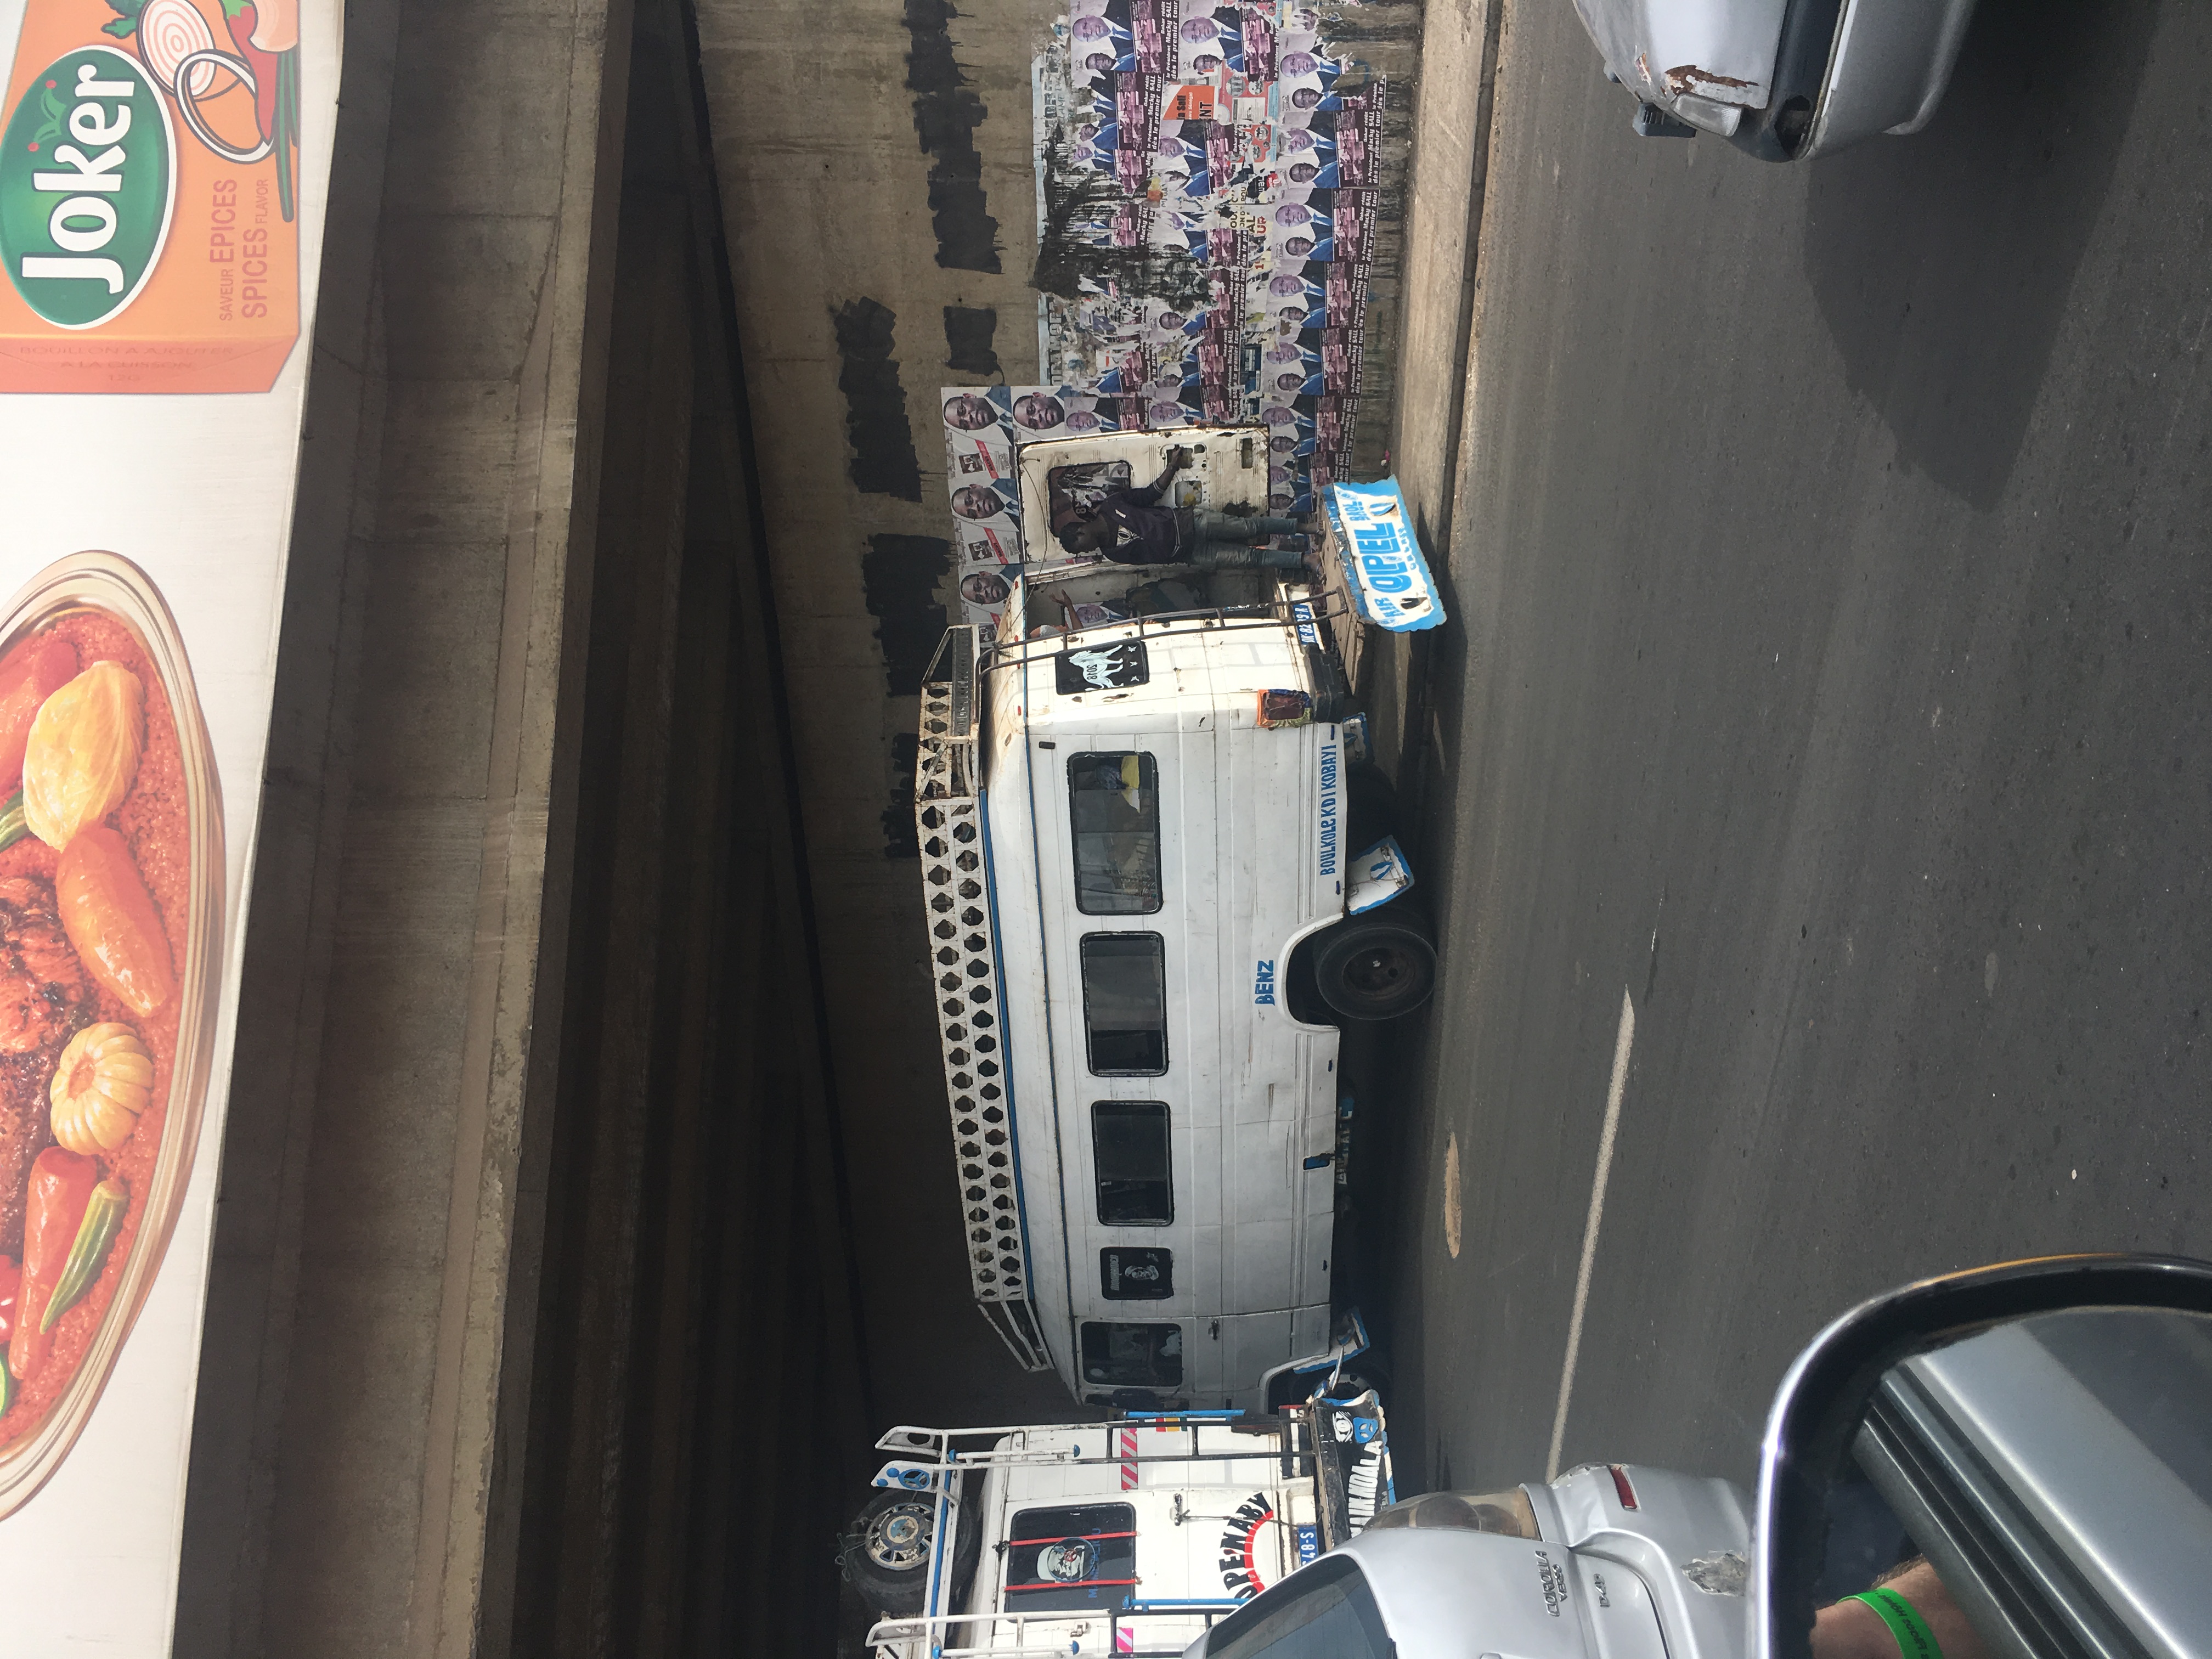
<point x="1383" y="561"/>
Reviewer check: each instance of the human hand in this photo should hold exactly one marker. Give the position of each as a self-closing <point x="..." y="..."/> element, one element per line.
<point x="1852" y="1629"/>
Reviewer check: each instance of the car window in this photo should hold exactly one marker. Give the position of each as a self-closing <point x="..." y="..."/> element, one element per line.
<point x="1325" y="1611"/>
<point x="1129" y="1155"/>
<point x="1113" y="812"/>
<point x="1125" y="1012"/>
<point x="2052" y="1471"/>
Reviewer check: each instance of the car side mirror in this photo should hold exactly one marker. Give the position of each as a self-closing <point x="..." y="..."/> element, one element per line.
<point x="2031" y="1443"/>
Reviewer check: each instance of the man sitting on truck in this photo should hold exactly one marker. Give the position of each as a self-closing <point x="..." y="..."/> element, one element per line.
<point x="1130" y="526"/>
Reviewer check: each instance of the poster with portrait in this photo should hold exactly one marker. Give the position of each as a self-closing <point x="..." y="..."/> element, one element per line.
<point x="1207" y="258"/>
<point x="163" y="167"/>
<point x="982" y="425"/>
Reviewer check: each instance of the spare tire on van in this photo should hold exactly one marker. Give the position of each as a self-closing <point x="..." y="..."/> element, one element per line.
<point x="886" y="1553"/>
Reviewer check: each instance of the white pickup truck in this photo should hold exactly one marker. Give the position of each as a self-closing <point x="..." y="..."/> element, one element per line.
<point x="1129" y="1536"/>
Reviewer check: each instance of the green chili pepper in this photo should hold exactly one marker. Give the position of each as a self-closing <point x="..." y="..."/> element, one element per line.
<point x="103" y="1218"/>
<point x="12" y="826"/>
<point x="7" y="1386"/>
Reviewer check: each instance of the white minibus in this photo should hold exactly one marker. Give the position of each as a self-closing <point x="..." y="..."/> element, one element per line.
<point x="1157" y="877"/>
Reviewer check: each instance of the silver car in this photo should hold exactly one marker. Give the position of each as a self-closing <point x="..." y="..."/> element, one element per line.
<point x="1786" y="80"/>
<point x="2012" y="1463"/>
<point x="1610" y="1561"/>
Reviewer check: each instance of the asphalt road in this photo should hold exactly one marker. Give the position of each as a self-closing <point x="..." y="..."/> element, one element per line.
<point x="1832" y="677"/>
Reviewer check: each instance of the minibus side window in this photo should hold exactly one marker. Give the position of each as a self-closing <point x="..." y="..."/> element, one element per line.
<point x="1129" y="1151"/>
<point x="1114" y="809"/>
<point x="1124" y="1004"/>
<point x="1132" y="1356"/>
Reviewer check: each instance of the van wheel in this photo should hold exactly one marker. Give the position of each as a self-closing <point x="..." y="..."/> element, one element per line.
<point x="886" y="1555"/>
<point x="1375" y="966"/>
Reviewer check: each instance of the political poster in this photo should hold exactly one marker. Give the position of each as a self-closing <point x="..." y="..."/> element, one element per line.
<point x="1206" y="260"/>
<point x="163" y="166"/>
<point x="982" y="425"/>
<point x="1207" y="187"/>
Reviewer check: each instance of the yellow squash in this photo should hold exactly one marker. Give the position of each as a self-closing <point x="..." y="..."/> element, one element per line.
<point x="83" y="752"/>
<point x="102" y="1082"/>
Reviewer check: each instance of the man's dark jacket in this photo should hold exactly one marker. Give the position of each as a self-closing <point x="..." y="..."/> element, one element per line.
<point x="1139" y="529"/>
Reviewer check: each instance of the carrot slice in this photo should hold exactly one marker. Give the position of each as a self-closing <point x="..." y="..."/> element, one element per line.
<point x="111" y="919"/>
<point x="29" y="674"/>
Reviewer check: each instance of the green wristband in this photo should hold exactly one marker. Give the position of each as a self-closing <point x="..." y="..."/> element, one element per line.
<point x="1914" y="1639"/>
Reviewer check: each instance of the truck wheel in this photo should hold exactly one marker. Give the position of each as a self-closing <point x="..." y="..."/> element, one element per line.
<point x="1368" y="1371"/>
<point x="886" y="1555"/>
<point x="1296" y="1387"/>
<point x="1375" y="966"/>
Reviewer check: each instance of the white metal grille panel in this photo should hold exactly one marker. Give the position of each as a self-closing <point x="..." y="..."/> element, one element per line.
<point x="963" y="962"/>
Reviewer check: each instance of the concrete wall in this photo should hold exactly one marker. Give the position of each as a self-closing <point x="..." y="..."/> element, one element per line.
<point x="359" y="1336"/>
<point x="531" y="1268"/>
<point x="693" y="1333"/>
<point x="878" y="155"/>
<point x="858" y="145"/>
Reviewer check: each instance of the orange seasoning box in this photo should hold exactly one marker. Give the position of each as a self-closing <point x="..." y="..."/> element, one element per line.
<point x="148" y="201"/>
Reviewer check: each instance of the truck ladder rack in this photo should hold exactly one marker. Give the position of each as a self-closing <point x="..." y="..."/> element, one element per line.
<point x="965" y="964"/>
<point x="933" y="1451"/>
<point x="915" y="1637"/>
<point x="1308" y="611"/>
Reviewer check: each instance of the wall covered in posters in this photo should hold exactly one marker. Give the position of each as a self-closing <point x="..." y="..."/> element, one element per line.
<point x="1208" y="185"/>
<point x="161" y="173"/>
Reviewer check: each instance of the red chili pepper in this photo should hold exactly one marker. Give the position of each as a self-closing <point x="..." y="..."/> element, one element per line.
<point x="61" y="1186"/>
<point x="242" y="17"/>
<point x="10" y="1276"/>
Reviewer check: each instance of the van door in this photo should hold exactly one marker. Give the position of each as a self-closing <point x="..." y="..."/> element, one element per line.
<point x="1215" y="1532"/>
<point x="1250" y="1346"/>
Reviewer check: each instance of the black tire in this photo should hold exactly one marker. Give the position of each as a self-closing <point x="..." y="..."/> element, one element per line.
<point x="1375" y="967"/>
<point x="1368" y="1370"/>
<point x="1370" y="805"/>
<point x="887" y="1556"/>
<point x="1353" y="1385"/>
<point x="1298" y="1386"/>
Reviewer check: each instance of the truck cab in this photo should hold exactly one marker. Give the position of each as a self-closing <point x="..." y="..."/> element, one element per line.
<point x="1133" y="1536"/>
<point x="1179" y="1533"/>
